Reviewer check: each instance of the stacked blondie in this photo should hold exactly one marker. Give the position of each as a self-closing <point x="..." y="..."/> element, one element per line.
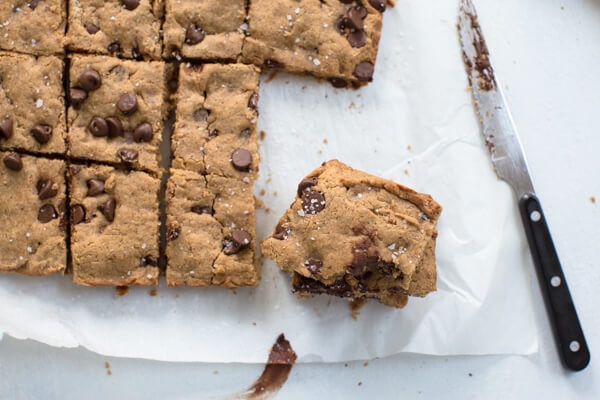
<point x="88" y="86"/>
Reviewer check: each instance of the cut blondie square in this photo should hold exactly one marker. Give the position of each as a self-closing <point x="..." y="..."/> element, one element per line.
<point x="124" y="28"/>
<point x="32" y="108"/>
<point x="331" y="39"/>
<point x="355" y="235"/>
<point x="114" y="226"/>
<point x="215" y="125"/>
<point x="116" y="111"/>
<point x="204" y="29"/>
<point x="210" y="231"/>
<point x="33" y="26"/>
<point x="32" y="215"/>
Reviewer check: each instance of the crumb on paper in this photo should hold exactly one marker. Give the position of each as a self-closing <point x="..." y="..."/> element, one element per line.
<point x="234" y="292"/>
<point x="405" y="172"/>
<point x="319" y="151"/>
<point x="176" y="295"/>
<point x="254" y="324"/>
<point x="267" y="210"/>
<point x="593" y="200"/>
<point x="216" y="372"/>
<point x="263" y="135"/>
<point x="262" y="192"/>
<point x="152" y="292"/>
<point x="275" y="193"/>
<point x="325" y="140"/>
<point x="409" y="147"/>
<point x="366" y="364"/>
<point x="469" y="89"/>
<point x="106" y="364"/>
<point x="359" y="383"/>
<point x="108" y="372"/>
<point x="470" y="374"/>
<point x="345" y="364"/>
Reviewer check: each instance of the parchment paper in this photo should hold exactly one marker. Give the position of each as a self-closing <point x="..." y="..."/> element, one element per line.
<point x="414" y="124"/>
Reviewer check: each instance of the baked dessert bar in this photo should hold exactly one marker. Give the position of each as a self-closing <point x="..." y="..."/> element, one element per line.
<point x="114" y="226"/>
<point x="116" y="111"/>
<point x="204" y="29"/>
<point x="32" y="215"/>
<point x="124" y="28"/>
<point x="32" y="109"/>
<point x="356" y="234"/>
<point x="215" y="125"/>
<point x="33" y="26"/>
<point x="210" y="231"/>
<point x="333" y="39"/>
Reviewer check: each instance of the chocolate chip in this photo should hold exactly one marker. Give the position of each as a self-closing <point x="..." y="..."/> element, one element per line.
<point x="173" y="232"/>
<point x="115" y="128"/>
<point x="386" y="268"/>
<point x="127" y="154"/>
<point x="379" y="5"/>
<point x="77" y="97"/>
<point x="6" y="129"/>
<point x="130" y="4"/>
<point x="355" y="18"/>
<point x="273" y="64"/>
<point x="201" y="114"/>
<point x="202" y="210"/>
<point x="114" y="49"/>
<point x="46" y="189"/>
<point x="77" y="214"/>
<point x="95" y="187"/>
<point x="143" y="132"/>
<point x="13" y="161"/>
<point x="281" y="232"/>
<point x="340" y="24"/>
<point x="357" y="38"/>
<point x="307" y="183"/>
<point x="253" y="101"/>
<point x="313" y="265"/>
<point x="364" y="71"/>
<point x="90" y="80"/>
<point x="194" y="35"/>
<point x="33" y="4"/>
<point x="42" y="133"/>
<point x="239" y="239"/>
<point x="362" y="12"/>
<point x="98" y="127"/>
<point x="92" y="29"/>
<point x="241" y="159"/>
<point x="127" y="103"/>
<point x="47" y="213"/>
<point x="338" y="82"/>
<point x="346" y="1"/>
<point x="313" y="202"/>
<point x="108" y="209"/>
<point x="148" y="260"/>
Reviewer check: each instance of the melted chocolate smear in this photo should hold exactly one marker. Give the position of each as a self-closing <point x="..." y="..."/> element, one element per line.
<point x="279" y="365"/>
<point x="122" y="290"/>
<point x="487" y="81"/>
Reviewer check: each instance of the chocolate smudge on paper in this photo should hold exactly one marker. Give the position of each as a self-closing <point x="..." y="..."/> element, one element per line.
<point x="277" y="370"/>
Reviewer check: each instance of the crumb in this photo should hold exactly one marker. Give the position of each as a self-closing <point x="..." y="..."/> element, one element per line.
<point x="562" y="8"/>
<point x="345" y="364"/>
<point x="405" y="172"/>
<point x="152" y="292"/>
<point x="469" y="89"/>
<point x="269" y="179"/>
<point x="262" y="192"/>
<point x="325" y="141"/>
<point x="267" y="210"/>
<point x="122" y="290"/>
<point x="108" y="372"/>
<point x="216" y="371"/>
<point x="320" y="151"/>
<point x="254" y="324"/>
<point x="470" y="374"/>
<point x="258" y="203"/>
<point x="352" y="105"/>
<point x="176" y="295"/>
<point x="275" y="193"/>
<point x="366" y="364"/>
<point x="593" y="199"/>
<point x="263" y="135"/>
<point x="106" y="364"/>
<point x="409" y="148"/>
<point x="234" y="292"/>
<point x="359" y="383"/>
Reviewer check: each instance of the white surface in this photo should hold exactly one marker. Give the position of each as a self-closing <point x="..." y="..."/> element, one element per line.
<point x="414" y="124"/>
<point x="548" y="59"/>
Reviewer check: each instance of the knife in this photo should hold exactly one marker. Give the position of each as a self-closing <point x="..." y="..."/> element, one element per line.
<point x="508" y="158"/>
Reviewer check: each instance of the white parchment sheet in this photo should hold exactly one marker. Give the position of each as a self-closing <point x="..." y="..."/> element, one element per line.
<point x="418" y="99"/>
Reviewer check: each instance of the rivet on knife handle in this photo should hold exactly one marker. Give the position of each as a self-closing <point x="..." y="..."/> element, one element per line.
<point x="559" y="304"/>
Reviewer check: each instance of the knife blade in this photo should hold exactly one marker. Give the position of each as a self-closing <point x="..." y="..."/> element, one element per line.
<point x="509" y="162"/>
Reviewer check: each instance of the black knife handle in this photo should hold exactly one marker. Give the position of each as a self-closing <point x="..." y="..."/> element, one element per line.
<point x="559" y="304"/>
